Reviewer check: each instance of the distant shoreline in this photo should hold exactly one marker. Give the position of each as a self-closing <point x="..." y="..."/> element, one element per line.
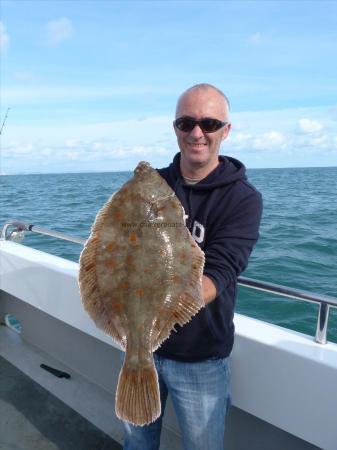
<point x="131" y="170"/>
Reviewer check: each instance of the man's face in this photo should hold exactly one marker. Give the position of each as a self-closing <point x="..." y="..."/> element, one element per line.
<point x="199" y="149"/>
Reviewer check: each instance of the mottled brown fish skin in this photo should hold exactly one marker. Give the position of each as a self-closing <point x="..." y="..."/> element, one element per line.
<point x="140" y="274"/>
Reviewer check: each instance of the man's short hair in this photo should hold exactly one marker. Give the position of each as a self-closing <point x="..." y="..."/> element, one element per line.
<point x="205" y="86"/>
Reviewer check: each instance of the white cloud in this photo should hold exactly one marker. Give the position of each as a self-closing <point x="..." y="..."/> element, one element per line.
<point x="4" y="38"/>
<point x="20" y="149"/>
<point x="269" y="140"/>
<point x="73" y="156"/>
<point x="274" y="137"/>
<point x="262" y="139"/>
<point x="73" y="143"/>
<point x="108" y="150"/>
<point x="242" y="137"/>
<point x="259" y="141"/>
<point x="59" y="30"/>
<point x="255" y="38"/>
<point x="292" y="137"/>
<point x="81" y="151"/>
<point x="309" y="125"/>
<point x="101" y="146"/>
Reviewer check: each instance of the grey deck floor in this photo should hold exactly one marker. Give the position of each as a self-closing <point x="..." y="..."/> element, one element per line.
<point x="31" y="418"/>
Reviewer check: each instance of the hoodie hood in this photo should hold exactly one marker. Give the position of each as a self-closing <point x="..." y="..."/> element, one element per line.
<point x="228" y="171"/>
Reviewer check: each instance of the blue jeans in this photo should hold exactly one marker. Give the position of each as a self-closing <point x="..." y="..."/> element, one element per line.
<point x="200" y="393"/>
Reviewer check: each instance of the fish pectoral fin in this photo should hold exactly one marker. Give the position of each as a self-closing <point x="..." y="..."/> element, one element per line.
<point x="184" y="309"/>
<point x="137" y="396"/>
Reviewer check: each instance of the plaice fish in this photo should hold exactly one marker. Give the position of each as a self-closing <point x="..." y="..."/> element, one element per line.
<point x="140" y="274"/>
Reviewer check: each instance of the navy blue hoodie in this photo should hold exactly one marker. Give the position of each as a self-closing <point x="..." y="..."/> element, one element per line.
<point x="224" y="213"/>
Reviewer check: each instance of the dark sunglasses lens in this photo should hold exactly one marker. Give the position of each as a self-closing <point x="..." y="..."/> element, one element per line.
<point x="185" y="124"/>
<point x="207" y="125"/>
<point x="210" y="125"/>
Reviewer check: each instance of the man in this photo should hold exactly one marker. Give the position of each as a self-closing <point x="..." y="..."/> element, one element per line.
<point x="223" y="214"/>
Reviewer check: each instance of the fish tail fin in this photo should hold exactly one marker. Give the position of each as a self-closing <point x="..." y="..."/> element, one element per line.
<point x="137" y="397"/>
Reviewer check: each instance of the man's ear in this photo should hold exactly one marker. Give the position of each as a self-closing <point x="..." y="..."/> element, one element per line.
<point x="226" y="131"/>
<point x="174" y="127"/>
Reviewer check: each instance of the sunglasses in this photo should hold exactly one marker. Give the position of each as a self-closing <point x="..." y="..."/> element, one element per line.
<point x="208" y="125"/>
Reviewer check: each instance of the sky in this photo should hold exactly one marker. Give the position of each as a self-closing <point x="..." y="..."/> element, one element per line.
<point x="92" y="86"/>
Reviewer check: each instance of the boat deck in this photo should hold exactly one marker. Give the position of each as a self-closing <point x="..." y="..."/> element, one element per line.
<point x="32" y="418"/>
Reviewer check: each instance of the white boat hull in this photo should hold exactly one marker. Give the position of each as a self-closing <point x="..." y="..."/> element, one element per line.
<point x="284" y="385"/>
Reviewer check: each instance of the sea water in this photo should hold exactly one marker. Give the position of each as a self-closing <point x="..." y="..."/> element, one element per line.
<point x="298" y="235"/>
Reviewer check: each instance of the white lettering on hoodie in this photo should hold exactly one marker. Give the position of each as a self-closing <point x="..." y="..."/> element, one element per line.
<point x="198" y="230"/>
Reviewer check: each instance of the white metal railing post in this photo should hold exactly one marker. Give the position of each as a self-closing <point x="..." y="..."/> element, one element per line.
<point x="322" y="323"/>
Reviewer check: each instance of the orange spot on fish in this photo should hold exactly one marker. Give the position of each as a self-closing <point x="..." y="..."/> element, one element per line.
<point x="133" y="237"/>
<point x="183" y="256"/>
<point x="175" y="205"/>
<point x="110" y="247"/>
<point x="128" y="260"/>
<point x="123" y="285"/>
<point x="110" y="263"/>
<point x="117" y="307"/>
<point x="140" y="292"/>
<point x="119" y="215"/>
<point x="176" y="279"/>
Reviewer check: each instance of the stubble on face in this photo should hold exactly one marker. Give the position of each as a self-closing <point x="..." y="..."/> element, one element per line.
<point x="199" y="150"/>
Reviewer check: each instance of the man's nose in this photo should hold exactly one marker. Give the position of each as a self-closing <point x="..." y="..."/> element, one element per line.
<point x="196" y="132"/>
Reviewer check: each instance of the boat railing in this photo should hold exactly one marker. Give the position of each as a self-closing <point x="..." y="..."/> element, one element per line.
<point x="323" y="301"/>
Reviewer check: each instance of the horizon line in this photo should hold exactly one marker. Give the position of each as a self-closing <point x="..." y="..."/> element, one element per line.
<point x="131" y="170"/>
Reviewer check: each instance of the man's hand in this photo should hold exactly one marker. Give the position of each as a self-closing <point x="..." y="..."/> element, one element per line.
<point x="208" y="289"/>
